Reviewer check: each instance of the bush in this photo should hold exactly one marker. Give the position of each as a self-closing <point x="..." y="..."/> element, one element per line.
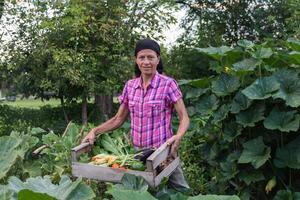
<point x="47" y="117"/>
<point x="249" y="142"/>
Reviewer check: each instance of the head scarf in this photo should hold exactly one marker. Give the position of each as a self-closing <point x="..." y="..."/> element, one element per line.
<point x="147" y="44"/>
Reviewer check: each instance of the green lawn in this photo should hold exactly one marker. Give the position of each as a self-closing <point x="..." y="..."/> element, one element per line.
<point x="33" y="103"/>
<point x="37" y="103"/>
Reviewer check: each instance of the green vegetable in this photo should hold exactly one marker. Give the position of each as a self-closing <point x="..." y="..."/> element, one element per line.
<point x="137" y="165"/>
<point x="109" y="145"/>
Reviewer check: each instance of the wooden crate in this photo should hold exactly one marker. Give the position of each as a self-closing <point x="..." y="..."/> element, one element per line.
<point x="108" y="174"/>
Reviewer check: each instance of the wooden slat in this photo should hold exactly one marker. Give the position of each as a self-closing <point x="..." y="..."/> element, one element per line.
<point x="106" y="173"/>
<point x="157" y="157"/>
<point x="167" y="171"/>
<point x="82" y="148"/>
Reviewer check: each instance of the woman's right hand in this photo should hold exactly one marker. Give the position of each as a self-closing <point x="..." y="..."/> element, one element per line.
<point x="90" y="137"/>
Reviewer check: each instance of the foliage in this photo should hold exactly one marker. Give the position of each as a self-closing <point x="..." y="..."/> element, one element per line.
<point x="43" y="188"/>
<point x="46" y="117"/>
<point x="54" y="157"/>
<point x="73" y="50"/>
<point x="135" y="187"/>
<point x="1" y="7"/>
<point x="54" y="160"/>
<point x="246" y="122"/>
<point x="184" y="62"/>
<point x="225" y="22"/>
<point x="13" y="149"/>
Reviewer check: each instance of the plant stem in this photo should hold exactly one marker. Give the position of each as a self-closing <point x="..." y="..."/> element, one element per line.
<point x="259" y="68"/>
<point x="290" y="177"/>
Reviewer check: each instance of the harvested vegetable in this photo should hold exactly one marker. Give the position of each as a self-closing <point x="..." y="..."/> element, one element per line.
<point x="114" y="150"/>
<point x="115" y="165"/>
<point x="127" y="161"/>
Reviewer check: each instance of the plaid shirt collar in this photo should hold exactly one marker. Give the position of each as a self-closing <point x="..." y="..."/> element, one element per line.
<point x="154" y="81"/>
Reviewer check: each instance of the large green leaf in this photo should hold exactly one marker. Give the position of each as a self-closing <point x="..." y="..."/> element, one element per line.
<point x="251" y="176"/>
<point x="229" y="170"/>
<point x="289" y="155"/>
<point x="214" y="197"/>
<point x="195" y="92"/>
<point x="225" y="85"/>
<point x="28" y="194"/>
<point x="216" y="66"/>
<point x="198" y="83"/>
<point x="166" y="193"/>
<point x="130" y="195"/>
<point x="289" y="87"/>
<point x="262" y="88"/>
<point x="37" y="131"/>
<point x="8" y="153"/>
<point x="252" y="115"/>
<point x="5" y="193"/>
<point x="245" y="43"/>
<point x="287" y="195"/>
<point x="294" y="56"/>
<point x="240" y="102"/>
<point x="215" y="52"/>
<point x="27" y="142"/>
<point x="132" y="182"/>
<point x="255" y="152"/>
<point x="221" y="113"/>
<point x="283" y="120"/>
<point x="263" y="53"/>
<point x="32" y="167"/>
<point x="248" y="64"/>
<point x="294" y="44"/>
<point x="178" y="196"/>
<point x="231" y="131"/>
<point x="207" y="104"/>
<point x="14" y="148"/>
<point x="71" y="135"/>
<point x="50" y="138"/>
<point x="65" y="190"/>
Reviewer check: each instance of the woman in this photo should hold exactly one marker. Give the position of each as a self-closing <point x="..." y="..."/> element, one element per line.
<point x="150" y="99"/>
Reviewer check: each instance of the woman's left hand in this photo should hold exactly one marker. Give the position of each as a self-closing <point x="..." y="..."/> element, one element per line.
<point x="174" y="141"/>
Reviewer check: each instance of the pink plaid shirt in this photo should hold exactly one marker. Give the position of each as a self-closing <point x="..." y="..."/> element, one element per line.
<point x="150" y="113"/>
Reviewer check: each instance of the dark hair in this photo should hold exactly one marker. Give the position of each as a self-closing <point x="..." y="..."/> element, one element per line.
<point x="148" y="44"/>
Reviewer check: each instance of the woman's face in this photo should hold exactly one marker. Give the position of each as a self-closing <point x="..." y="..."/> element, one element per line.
<point x="147" y="61"/>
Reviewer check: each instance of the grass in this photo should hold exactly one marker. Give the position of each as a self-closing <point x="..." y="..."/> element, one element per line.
<point x="37" y="103"/>
<point x="32" y="103"/>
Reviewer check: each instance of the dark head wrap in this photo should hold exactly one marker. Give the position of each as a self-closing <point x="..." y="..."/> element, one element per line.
<point x="147" y="44"/>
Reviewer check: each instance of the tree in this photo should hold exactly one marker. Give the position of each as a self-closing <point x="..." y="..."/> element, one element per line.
<point x="293" y="21"/>
<point x="1" y="7"/>
<point x="219" y="22"/>
<point x="78" y="49"/>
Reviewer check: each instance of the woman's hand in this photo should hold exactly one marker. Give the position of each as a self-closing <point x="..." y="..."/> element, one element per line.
<point x="174" y="141"/>
<point x="90" y="137"/>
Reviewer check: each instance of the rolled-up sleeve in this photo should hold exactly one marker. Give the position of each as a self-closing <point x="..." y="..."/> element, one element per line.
<point x="123" y="98"/>
<point x="174" y="93"/>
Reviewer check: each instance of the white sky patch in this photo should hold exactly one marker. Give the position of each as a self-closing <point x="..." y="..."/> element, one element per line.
<point x="174" y="31"/>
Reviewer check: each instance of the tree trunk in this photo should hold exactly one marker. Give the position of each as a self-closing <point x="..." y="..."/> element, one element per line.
<point x="84" y="111"/>
<point x="62" y="102"/>
<point x="109" y="105"/>
<point x="104" y="105"/>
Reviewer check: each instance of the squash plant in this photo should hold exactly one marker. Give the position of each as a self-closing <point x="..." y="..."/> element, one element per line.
<point x="246" y="118"/>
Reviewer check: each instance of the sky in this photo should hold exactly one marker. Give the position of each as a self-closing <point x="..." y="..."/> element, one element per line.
<point x="174" y="31"/>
